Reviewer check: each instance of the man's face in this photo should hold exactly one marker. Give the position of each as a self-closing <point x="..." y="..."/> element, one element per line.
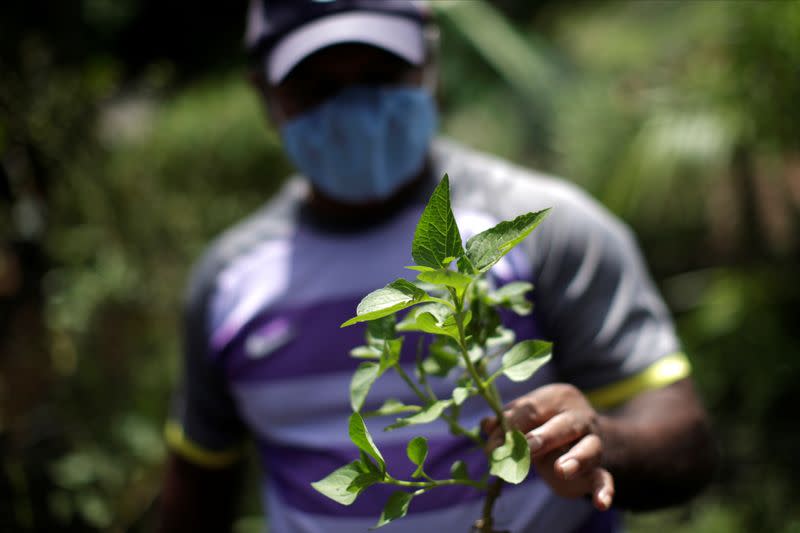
<point x="326" y="72"/>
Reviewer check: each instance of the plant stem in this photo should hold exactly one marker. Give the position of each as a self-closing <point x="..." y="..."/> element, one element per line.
<point x="426" y="400"/>
<point x="455" y="427"/>
<point x="483" y="390"/>
<point x="423" y="378"/>
<point x="487" y="521"/>
<point x="435" y="483"/>
<point x="491" y="395"/>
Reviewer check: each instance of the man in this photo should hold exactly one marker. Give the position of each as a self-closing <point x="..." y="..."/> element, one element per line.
<point x="348" y="84"/>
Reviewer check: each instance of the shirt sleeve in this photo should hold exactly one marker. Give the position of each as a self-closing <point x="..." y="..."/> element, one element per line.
<point x="613" y="335"/>
<point x="204" y="426"/>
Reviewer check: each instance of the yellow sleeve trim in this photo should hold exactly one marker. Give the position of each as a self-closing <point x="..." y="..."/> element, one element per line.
<point x="179" y="443"/>
<point x="665" y="371"/>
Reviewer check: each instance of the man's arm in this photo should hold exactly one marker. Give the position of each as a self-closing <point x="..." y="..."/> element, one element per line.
<point x="196" y="499"/>
<point x="204" y="433"/>
<point x="657" y="446"/>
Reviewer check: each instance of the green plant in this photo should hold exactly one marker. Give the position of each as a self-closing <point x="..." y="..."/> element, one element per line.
<point x="460" y="309"/>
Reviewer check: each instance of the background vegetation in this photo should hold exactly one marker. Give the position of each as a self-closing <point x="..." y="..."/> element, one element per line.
<point x="128" y="138"/>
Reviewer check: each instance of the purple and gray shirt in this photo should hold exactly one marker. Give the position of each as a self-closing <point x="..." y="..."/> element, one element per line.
<point x="265" y="355"/>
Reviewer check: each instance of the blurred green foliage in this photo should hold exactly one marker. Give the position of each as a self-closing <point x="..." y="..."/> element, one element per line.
<point x="125" y="147"/>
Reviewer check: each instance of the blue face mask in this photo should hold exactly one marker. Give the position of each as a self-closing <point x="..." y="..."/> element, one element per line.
<point x="364" y="143"/>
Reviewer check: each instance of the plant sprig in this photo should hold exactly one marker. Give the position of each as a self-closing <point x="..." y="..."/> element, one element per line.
<point x="452" y="301"/>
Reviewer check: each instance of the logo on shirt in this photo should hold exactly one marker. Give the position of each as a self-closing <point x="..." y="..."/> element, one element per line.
<point x="268" y="338"/>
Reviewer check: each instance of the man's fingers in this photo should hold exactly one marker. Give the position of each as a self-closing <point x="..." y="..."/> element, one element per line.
<point x="563" y="429"/>
<point x="602" y="489"/>
<point x="533" y="409"/>
<point x="581" y="458"/>
<point x="489" y="424"/>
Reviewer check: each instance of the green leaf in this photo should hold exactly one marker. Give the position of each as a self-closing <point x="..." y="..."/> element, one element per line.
<point x="393" y="407"/>
<point x="511" y="461"/>
<point x="525" y="358"/>
<point x="436" y="238"/>
<point x="510" y="291"/>
<point x="486" y="319"/>
<point x="427" y="415"/>
<point x="368" y="465"/>
<point x="465" y="266"/>
<point x="430" y="323"/>
<point x="363" y="378"/>
<point x="382" y="329"/>
<point x="391" y="353"/>
<point x="397" y="295"/>
<point x="488" y="247"/>
<point x="522" y="308"/>
<point x="459" y="470"/>
<point x="409" y="322"/>
<point x="460" y="394"/>
<point x="475" y="352"/>
<point x="501" y="337"/>
<point x="448" y="278"/>
<point x="364" y="481"/>
<point x="421" y="268"/>
<point x="512" y="295"/>
<point x="336" y="484"/>
<point x="360" y="436"/>
<point x="396" y="507"/>
<point x="365" y="352"/>
<point x="443" y="357"/>
<point x="417" y="451"/>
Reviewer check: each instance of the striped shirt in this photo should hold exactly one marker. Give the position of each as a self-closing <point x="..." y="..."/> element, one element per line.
<point x="264" y="354"/>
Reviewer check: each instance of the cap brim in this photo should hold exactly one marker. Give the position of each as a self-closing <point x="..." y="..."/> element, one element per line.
<point x="399" y="35"/>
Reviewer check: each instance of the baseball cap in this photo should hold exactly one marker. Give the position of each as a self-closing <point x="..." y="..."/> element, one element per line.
<point x="284" y="32"/>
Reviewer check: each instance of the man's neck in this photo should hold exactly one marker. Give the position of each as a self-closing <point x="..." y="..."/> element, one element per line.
<point x="327" y="211"/>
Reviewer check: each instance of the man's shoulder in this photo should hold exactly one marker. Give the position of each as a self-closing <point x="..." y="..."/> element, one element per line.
<point x="489" y="183"/>
<point x="272" y="222"/>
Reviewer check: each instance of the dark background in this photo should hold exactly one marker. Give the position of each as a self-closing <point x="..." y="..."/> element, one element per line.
<point x="129" y="137"/>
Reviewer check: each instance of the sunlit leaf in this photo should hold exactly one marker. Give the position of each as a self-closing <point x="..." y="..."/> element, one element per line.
<point x="430" y="323"/>
<point x="393" y="407"/>
<point x="361" y="382"/>
<point x="365" y="352"/>
<point x="436" y="238"/>
<point x="417" y="451"/>
<point x="336" y="484"/>
<point x="460" y="394"/>
<point x="397" y="295"/>
<point x="510" y="291"/>
<point x="488" y="247"/>
<point x="447" y="278"/>
<point x="427" y="415"/>
<point x="512" y="295"/>
<point x="360" y="436"/>
<point x="525" y="358"/>
<point x="419" y="268"/>
<point x="511" y="461"/>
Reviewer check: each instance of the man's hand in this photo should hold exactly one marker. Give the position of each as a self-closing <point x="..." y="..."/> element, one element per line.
<point x="197" y="499"/>
<point x="658" y="445"/>
<point x="566" y="446"/>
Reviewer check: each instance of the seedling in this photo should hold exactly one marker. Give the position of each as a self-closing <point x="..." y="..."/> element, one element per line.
<point x="454" y="302"/>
